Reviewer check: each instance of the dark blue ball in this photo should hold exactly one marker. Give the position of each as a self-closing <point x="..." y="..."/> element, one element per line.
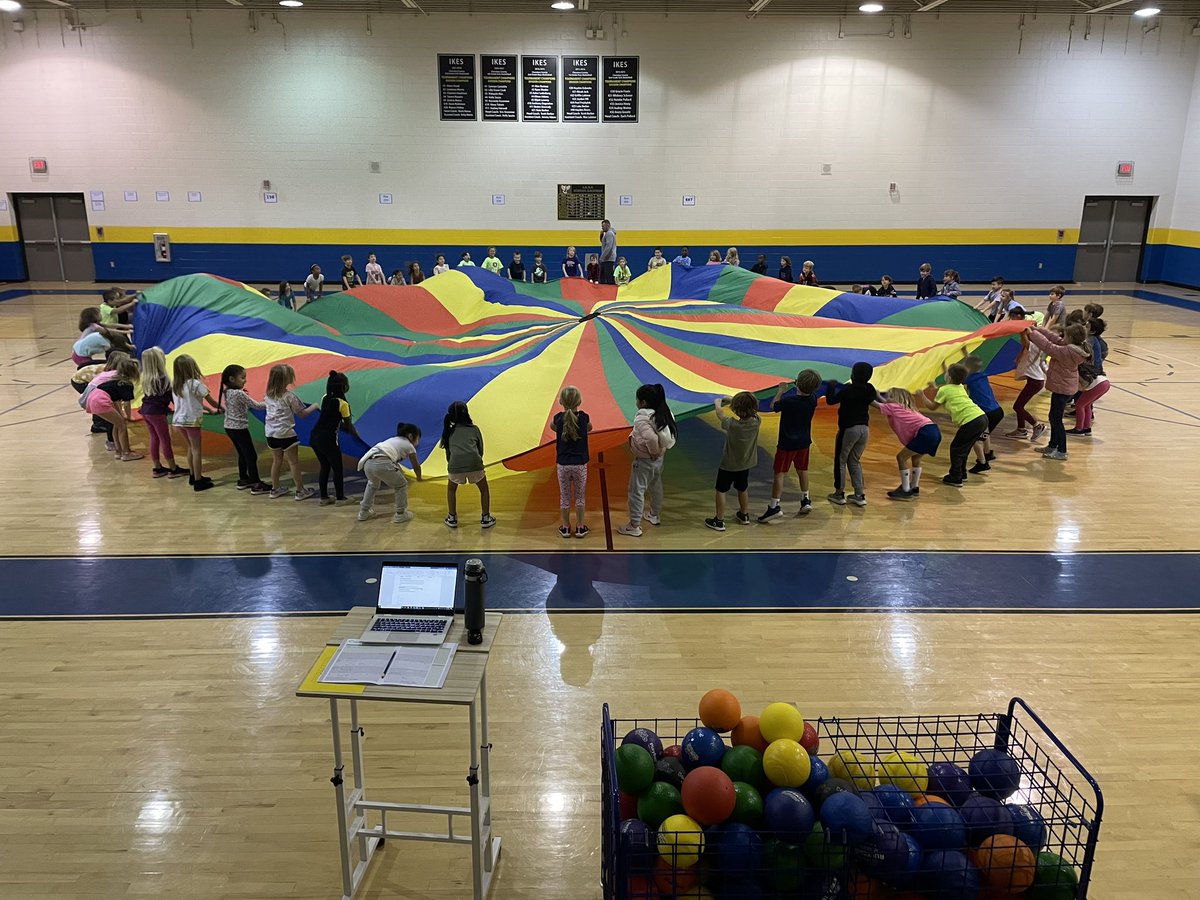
<point x="734" y="849"/>
<point x="885" y="854"/>
<point x="1028" y="826"/>
<point x="889" y="803"/>
<point x="647" y="739"/>
<point x="846" y="819"/>
<point x="949" y="782"/>
<point x="788" y="812"/>
<point x="701" y="747"/>
<point x="984" y="817"/>
<point x="641" y="842"/>
<point x="949" y="875"/>
<point x="994" y="774"/>
<point x="938" y="827"/>
<point x="818" y="774"/>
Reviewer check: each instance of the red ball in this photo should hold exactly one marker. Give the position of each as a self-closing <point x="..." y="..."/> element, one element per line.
<point x="642" y="888"/>
<point x="674" y="751"/>
<point x="747" y="733"/>
<point x="809" y="740"/>
<point x="628" y="806"/>
<point x="672" y="881"/>
<point x="708" y="795"/>
<point x="720" y="710"/>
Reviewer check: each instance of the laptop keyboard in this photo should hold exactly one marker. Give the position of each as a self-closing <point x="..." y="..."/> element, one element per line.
<point x="409" y="626"/>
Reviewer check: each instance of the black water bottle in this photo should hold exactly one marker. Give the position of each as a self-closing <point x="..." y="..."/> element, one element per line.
<point x="475" y="606"/>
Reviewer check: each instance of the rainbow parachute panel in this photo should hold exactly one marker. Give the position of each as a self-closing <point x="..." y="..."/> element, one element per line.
<point x="508" y="349"/>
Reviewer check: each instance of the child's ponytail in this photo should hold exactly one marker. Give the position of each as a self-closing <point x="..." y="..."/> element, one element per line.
<point x="570" y="400"/>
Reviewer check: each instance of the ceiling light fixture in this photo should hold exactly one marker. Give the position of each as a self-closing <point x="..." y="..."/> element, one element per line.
<point x="562" y="4"/>
<point x="291" y="3"/>
<point x="9" y="5"/>
<point x="1147" y="11"/>
<point x="871" y="8"/>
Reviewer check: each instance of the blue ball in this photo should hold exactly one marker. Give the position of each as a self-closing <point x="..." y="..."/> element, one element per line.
<point x="949" y="782"/>
<point x="846" y="819"/>
<point x="994" y="774"/>
<point x="889" y="803"/>
<point x="913" y="867"/>
<point x="938" y="827"/>
<point x="949" y="875"/>
<point x="818" y="774"/>
<point x="734" y="848"/>
<point x="885" y="854"/>
<point x="787" y="812"/>
<point x="1028" y="826"/>
<point x="984" y="817"/>
<point x="701" y="747"/>
<point x="642" y="844"/>
<point x="647" y="739"/>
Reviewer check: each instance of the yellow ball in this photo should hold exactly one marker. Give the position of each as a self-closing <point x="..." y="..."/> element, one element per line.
<point x="781" y="720"/>
<point x="786" y="763"/>
<point x="905" y="771"/>
<point x="857" y="768"/>
<point x="680" y="841"/>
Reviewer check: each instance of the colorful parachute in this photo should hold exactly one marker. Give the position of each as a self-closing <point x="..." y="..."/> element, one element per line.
<point x="507" y="349"/>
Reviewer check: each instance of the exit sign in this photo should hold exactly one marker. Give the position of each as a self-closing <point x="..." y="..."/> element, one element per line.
<point x="38" y="166"/>
<point x="1125" y="169"/>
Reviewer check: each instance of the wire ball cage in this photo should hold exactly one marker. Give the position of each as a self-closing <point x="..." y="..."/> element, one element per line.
<point x="1065" y="801"/>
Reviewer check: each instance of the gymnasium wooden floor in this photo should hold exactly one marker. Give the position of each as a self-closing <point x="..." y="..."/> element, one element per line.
<point x="168" y="755"/>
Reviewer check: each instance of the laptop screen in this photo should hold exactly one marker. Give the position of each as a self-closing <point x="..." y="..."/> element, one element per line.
<point x="415" y="586"/>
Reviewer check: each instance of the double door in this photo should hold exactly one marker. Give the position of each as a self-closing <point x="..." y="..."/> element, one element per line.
<point x="1112" y="238"/>
<point x="55" y="236"/>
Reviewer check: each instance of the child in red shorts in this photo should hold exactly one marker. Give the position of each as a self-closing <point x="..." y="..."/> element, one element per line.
<point x="795" y="437"/>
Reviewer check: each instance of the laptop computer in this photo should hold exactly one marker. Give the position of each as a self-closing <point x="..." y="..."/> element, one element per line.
<point x="415" y="605"/>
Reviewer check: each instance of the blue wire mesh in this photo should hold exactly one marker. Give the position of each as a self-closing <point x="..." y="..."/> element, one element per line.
<point x="1052" y="782"/>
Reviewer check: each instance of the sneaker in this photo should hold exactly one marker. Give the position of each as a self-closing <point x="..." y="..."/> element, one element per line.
<point x="365" y="514"/>
<point x="989" y="456"/>
<point x="159" y="472"/>
<point x="773" y="512"/>
<point x="651" y="518"/>
<point x="326" y="501"/>
<point x="487" y="521"/>
<point x="97" y="429"/>
<point x="857" y="499"/>
<point x="1017" y="433"/>
<point x="952" y="481"/>
<point x="1038" y="430"/>
<point x="278" y="492"/>
<point x="838" y="498"/>
<point x="130" y="457"/>
<point x="177" y="472"/>
<point x="1047" y="450"/>
<point x="564" y="532"/>
<point x="451" y="521"/>
<point x="244" y="485"/>
<point x="1056" y="454"/>
<point x="110" y="445"/>
<point x="915" y="492"/>
<point x="629" y="530"/>
<point x="202" y="484"/>
<point x="305" y="493"/>
<point x="805" y="507"/>
<point x="979" y="467"/>
<point x="900" y="494"/>
<point x="402" y="518"/>
<point x="345" y="501"/>
<point x="581" y="531"/>
<point x="742" y="517"/>
<point x="1081" y="432"/>
<point x="715" y="524"/>
<point x="260" y="488"/>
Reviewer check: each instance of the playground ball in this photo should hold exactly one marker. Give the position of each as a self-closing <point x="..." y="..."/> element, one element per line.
<point x="818" y="774"/>
<point x="646" y="738"/>
<point x="702" y="747"/>
<point x="642" y="888"/>
<point x="674" y="881"/>
<point x="661" y="801"/>
<point x="949" y="781"/>
<point x="822" y="853"/>
<point x="1055" y="878"/>
<point x="708" y="795"/>
<point x="747" y="804"/>
<point x="781" y="720"/>
<point x="897" y="804"/>
<point x="788" y="813"/>
<point x="680" y="841"/>
<point x="922" y="799"/>
<point x="628" y="806"/>
<point x="744" y="763"/>
<point x="671" y="771"/>
<point x="885" y="854"/>
<point x="1028" y="826"/>
<point x="784" y="865"/>
<point x="638" y="838"/>
<point x="635" y="768"/>
<point x="734" y="848"/>
<point x="809" y="739"/>
<point x="846" y="818"/>
<point x="994" y="774"/>
<point x="984" y="817"/>
<point x="746" y="733"/>
<point x="864" y="887"/>
<point x="905" y="770"/>
<point x="857" y="768"/>
<point x="786" y="763"/>
<point x="1004" y="862"/>
<point x="674" y="751"/>
<point x="720" y="710"/>
<point x="938" y="827"/>
<point x="829" y="788"/>
<point x="949" y="875"/>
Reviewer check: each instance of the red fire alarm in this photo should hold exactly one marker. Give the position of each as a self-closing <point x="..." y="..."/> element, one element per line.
<point x="38" y="166"/>
<point x="1125" y="170"/>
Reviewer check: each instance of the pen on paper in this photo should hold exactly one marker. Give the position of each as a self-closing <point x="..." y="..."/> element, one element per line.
<point x="388" y="666"/>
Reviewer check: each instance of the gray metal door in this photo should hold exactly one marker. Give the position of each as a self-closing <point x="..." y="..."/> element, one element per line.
<point x="56" y="238"/>
<point x="1112" y="237"/>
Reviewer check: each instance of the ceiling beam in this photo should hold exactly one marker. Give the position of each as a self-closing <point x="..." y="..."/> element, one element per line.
<point x="756" y="7"/>
<point x="928" y="6"/>
<point x="1109" y="5"/>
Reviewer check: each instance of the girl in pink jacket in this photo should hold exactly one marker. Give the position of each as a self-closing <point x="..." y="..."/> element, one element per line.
<point x="1062" y="377"/>
<point x="653" y="434"/>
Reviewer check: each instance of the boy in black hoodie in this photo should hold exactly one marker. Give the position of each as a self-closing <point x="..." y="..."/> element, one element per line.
<point x="854" y="406"/>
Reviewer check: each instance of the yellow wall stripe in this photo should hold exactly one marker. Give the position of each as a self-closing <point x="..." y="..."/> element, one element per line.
<point x="8" y="232"/>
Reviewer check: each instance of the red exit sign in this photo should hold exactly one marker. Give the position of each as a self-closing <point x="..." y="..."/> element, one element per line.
<point x="38" y="166"/>
<point x="1124" y="170"/>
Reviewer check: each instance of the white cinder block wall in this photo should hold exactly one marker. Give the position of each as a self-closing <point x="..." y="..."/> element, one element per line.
<point x="1186" y="210"/>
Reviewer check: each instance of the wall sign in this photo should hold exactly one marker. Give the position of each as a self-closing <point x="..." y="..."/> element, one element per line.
<point x="1125" y="170"/>
<point x="497" y="199"/>
<point x="539" y="88"/>
<point x="689" y="199"/>
<point x="131" y="197"/>
<point x="385" y="199"/>
<point x="195" y="197"/>
<point x="270" y="197"/>
<point x="96" y="195"/>
<point x="620" y="89"/>
<point x="581" y="88"/>
<point x="162" y="196"/>
<point x="97" y="206"/>
<point x="38" y="166"/>
<point x="626" y="200"/>
<point x="3" y="205"/>
<point x="499" y="76"/>
<point x="456" y="87"/>
<point x="581" y="202"/>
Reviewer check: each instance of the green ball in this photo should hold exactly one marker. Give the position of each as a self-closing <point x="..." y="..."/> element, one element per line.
<point x="747" y="804"/>
<point x="660" y="802"/>
<point x="743" y="763"/>
<point x="635" y="768"/>
<point x="1055" y="878"/>
<point x="784" y="866"/>
<point x="822" y="853"/>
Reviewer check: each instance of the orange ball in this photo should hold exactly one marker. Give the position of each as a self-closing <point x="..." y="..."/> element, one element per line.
<point x="1005" y="863"/>
<point x="747" y="733"/>
<point x="860" y="887"/>
<point x="922" y="799"/>
<point x="671" y="880"/>
<point x="720" y="710"/>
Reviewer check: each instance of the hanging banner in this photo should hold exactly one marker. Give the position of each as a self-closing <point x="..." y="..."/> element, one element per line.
<point x="620" y="89"/>
<point x="499" y="77"/>
<point x="456" y="87"/>
<point x="539" y="88"/>
<point x="581" y="88"/>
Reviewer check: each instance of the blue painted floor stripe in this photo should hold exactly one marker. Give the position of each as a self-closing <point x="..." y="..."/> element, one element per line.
<point x="616" y="582"/>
